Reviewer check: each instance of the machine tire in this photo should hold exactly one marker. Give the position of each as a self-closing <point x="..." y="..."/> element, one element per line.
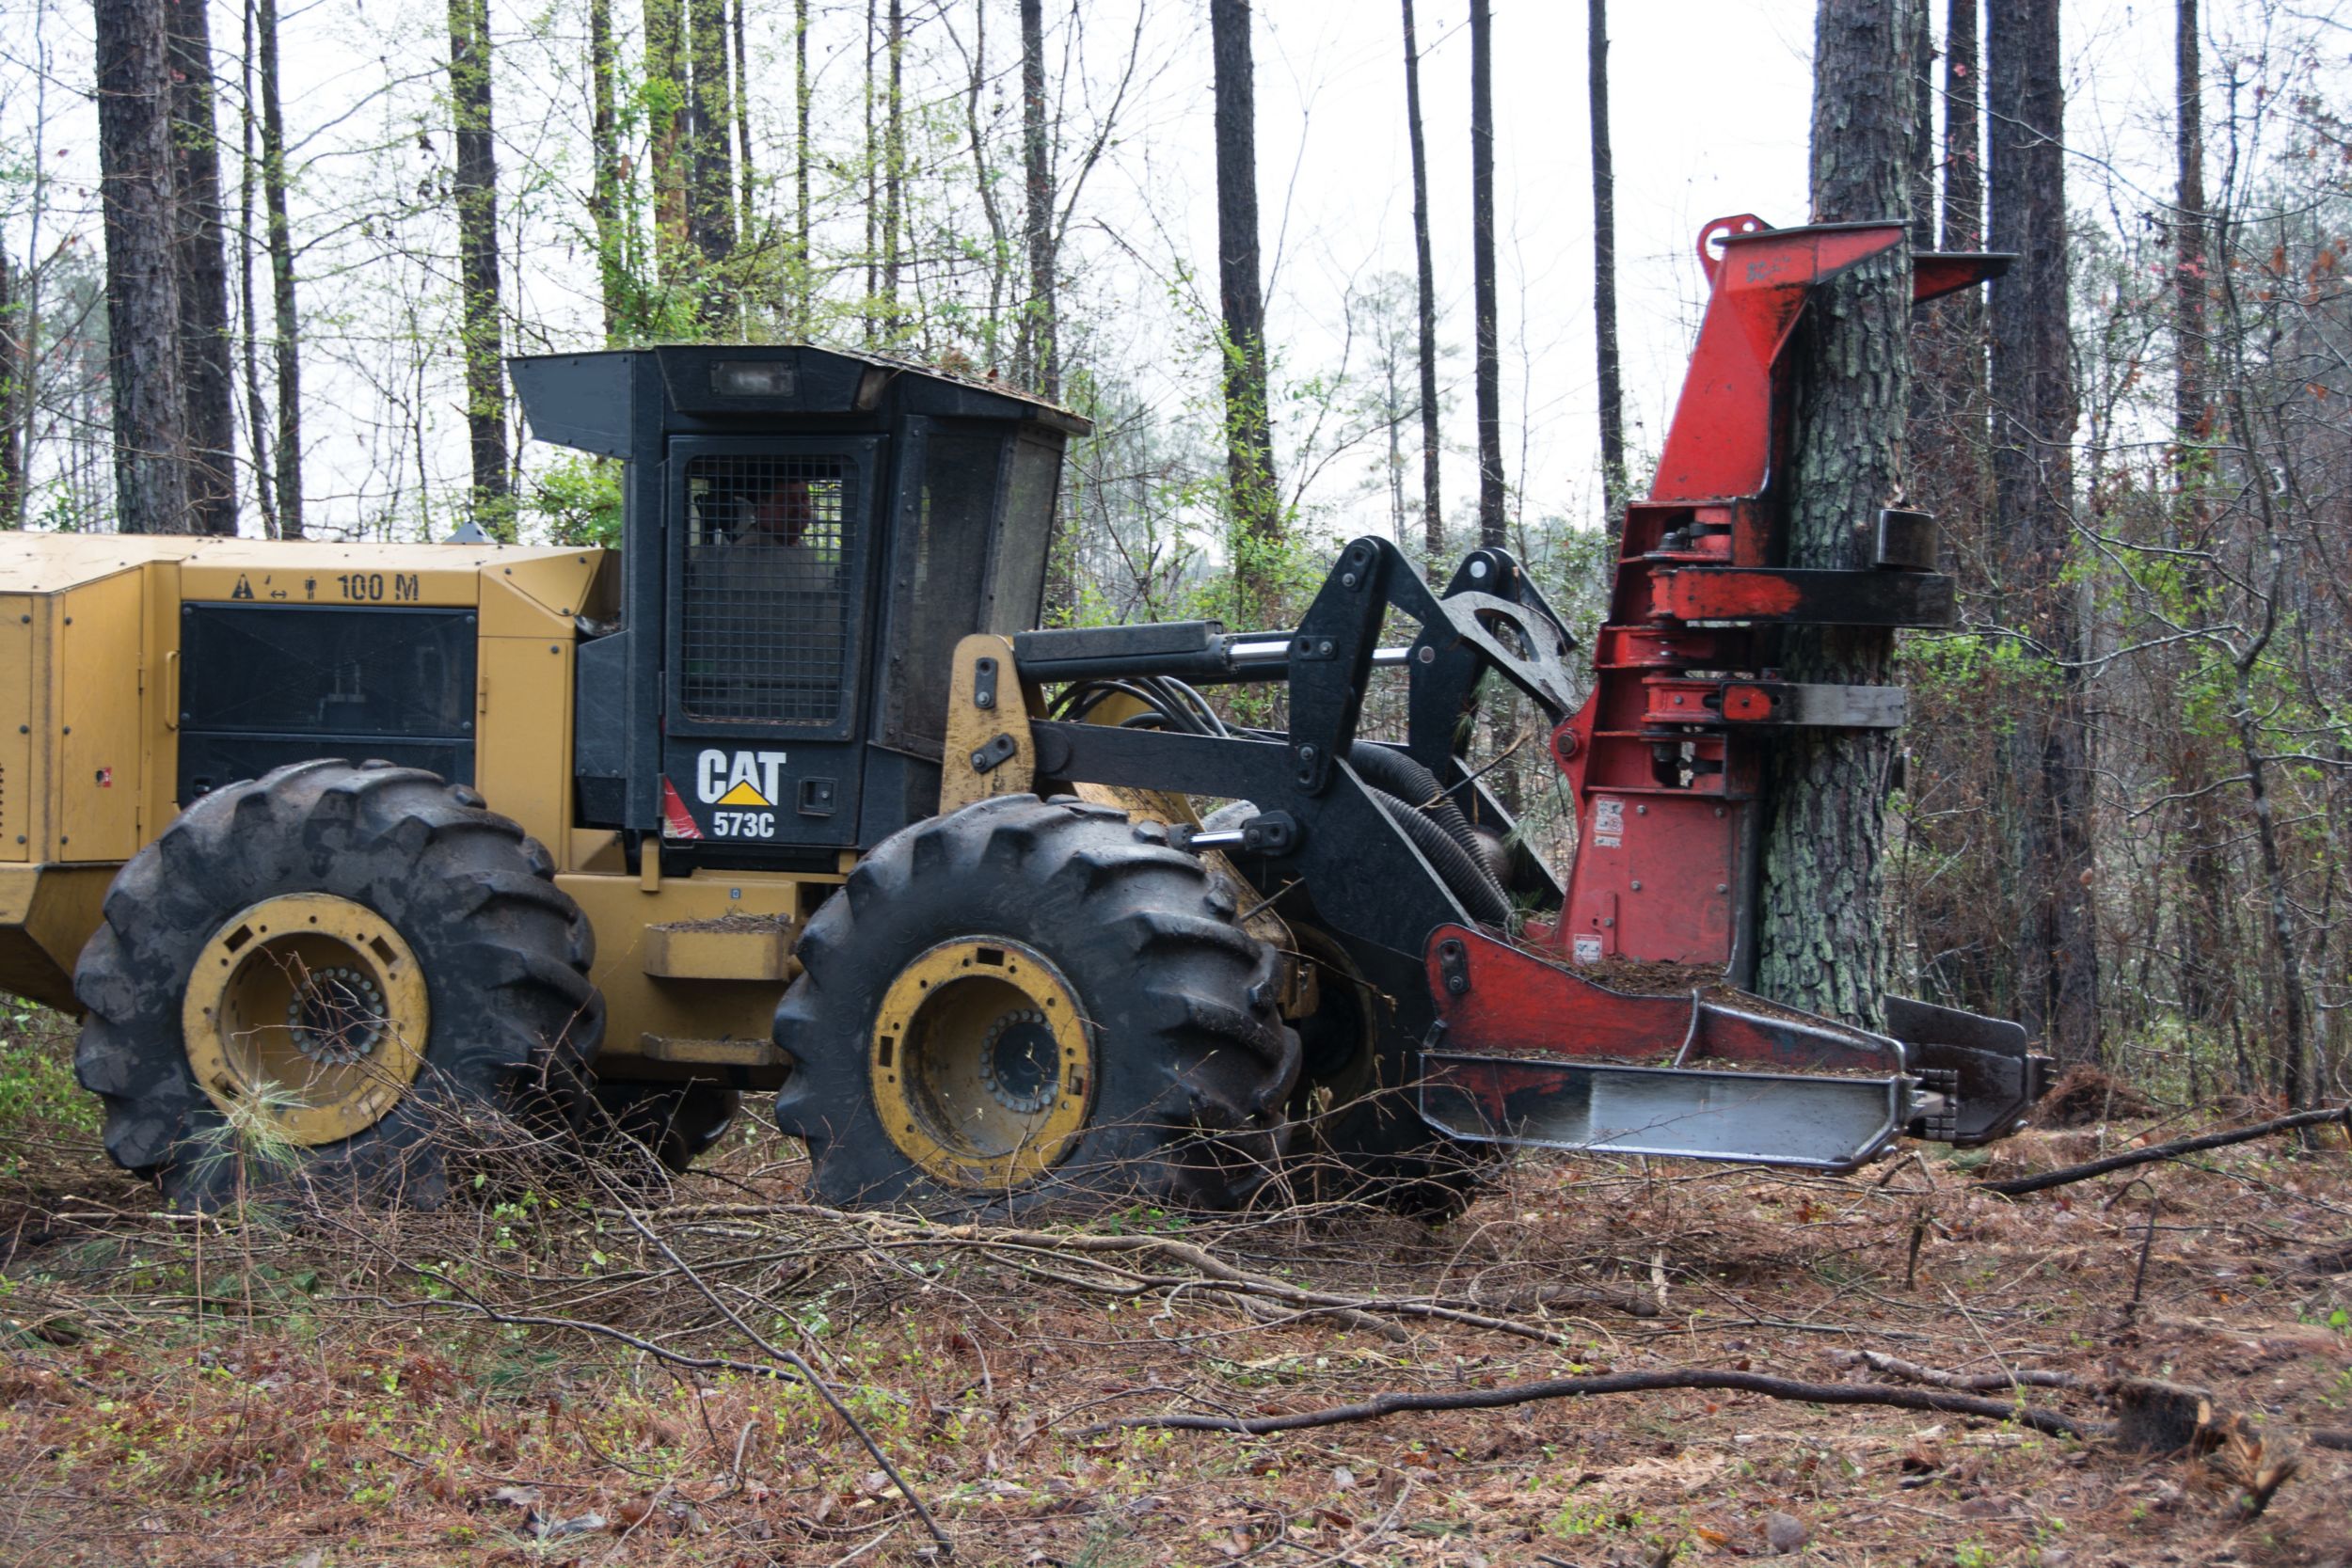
<point x="501" y="953"/>
<point x="1362" y="1139"/>
<point x="674" y="1123"/>
<point x="1190" y="1063"/>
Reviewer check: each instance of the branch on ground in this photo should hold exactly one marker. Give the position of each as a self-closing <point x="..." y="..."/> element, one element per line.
<point x="2018" y="1185"/>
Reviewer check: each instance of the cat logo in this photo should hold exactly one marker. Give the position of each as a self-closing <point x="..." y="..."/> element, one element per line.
<point x="739" y="778"/>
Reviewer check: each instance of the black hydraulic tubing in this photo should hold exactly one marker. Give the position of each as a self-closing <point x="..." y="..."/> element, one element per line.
<point x="1463" y="873"/>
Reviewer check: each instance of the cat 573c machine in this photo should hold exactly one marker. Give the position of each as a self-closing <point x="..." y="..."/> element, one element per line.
<point x="329" y="840"/>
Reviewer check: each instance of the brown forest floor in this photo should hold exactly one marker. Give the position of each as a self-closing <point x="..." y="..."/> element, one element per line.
<point x="189" y="1392"/>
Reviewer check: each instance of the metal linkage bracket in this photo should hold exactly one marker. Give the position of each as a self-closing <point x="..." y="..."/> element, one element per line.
<point x="1784" y="704"/>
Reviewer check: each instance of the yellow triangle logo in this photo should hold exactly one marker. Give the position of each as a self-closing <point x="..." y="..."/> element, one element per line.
<point x="743" y="794"/>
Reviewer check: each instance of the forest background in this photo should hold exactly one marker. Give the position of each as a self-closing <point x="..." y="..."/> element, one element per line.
<point x="2121" y="814"/>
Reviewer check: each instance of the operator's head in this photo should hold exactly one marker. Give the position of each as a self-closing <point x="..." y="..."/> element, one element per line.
<point x="778" y="513"/>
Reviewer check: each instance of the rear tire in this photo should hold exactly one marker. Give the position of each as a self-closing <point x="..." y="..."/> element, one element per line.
<point x="1028" y="1002"/>
<point x="469" y="927"/>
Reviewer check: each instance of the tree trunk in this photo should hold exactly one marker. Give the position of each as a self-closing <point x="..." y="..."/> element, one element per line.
<point x="804" y="288"/>
<point x="206" y="377"/>
<point x="667" y="107"/>
<point x="1614" y="479"/>
<point x="1039" y="355"/>
<point x="135" y="155"/>
<point x="1963" y="140"/>
<point x="873" y="190"/>
<point x="1432" y="508"/>
<point x="285" y="320"/>
<point x="894" y="170"/>
<point x="16" y="359"/>
<point x="1821" y="938"/>
<point x="604" y="152"/>
<point x="264" y="493"/>
<point x="745" y="176"/>
<point x="1249" y="437"/>
<point x="711" y="163"/>
<point x="2034" y="415"/>
<point x="1489" y="369"/>
<point x="2191" y="420"/>
<point x="478" y="257"/>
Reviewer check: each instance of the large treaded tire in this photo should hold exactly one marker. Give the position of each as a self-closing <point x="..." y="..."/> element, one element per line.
<point x="1193" y="1063"/>
<point x="1361" y="1136"/>
<point x="505" y="955"/>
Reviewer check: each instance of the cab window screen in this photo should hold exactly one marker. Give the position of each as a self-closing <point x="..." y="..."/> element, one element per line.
<point x="764" y="625"/>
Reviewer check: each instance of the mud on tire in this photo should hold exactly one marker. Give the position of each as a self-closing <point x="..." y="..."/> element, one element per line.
<point x="503" y="955"/>
<point x="1192" y="1064"/>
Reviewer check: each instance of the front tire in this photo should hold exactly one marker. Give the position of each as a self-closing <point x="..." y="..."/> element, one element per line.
<point x="1031" y="1002"/>
<point x="310" y="979"/>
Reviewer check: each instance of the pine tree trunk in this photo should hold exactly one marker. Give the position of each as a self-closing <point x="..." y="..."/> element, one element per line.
<point x="1614" y="479"/>
<point x="16" y="338"/>
<point x="265" y="491"/>
<point x="206" y="376"/>
<point x="478" y="257"/>
<point x="746" y="176"/>
<point x="894" y="171"/>
<point x="711" y="163"/>
<point x="804" y="286"/>
<point x="2191" y="420"/>
<point x="135" y="161"/>
<point x="873" y="189"/>
<point x="1822" y="937"/>
<point x="1488" y="373"/>
<point x="1248" y="440"/>
<point x="1040" y="354"/>
<point x="286" y="321"/>
<point x="604" y="152"/>
<point x="2034" y="416"/>
<point x="1432" y="506"/>
<point x="667" y="107"/>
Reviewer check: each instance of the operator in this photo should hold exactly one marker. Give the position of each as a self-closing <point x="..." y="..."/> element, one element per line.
<point x="779" y="514"/>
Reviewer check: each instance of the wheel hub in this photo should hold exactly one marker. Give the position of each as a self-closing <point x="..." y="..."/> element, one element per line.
<point x="308" y="1012"/>
<point x="982" y="1063"/>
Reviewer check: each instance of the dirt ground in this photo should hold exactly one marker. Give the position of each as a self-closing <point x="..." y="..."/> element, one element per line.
<point x="357" y="1388"/>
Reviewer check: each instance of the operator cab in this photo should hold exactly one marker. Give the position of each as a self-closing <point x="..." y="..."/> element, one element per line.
<point x="806" y="534"/>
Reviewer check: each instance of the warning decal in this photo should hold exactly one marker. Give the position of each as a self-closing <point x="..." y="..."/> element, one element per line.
<point x="677" y="821"/>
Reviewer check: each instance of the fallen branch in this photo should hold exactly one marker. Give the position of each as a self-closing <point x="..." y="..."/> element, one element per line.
<point x="2056" y="1424"/>
<point x="2018" y="1185"/>
<point x="1912" y="1371"/>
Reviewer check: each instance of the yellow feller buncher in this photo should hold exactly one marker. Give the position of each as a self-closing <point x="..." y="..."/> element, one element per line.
<point x="329" y="842"/>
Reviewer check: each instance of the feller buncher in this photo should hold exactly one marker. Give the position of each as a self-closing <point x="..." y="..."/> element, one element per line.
<point x="325" y="840"/>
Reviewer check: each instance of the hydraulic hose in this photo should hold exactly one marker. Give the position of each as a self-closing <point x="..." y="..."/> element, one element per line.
<point x="1463" y="874"/>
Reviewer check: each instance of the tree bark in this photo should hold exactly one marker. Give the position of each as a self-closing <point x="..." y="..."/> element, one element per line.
<point x="206" y="373"/>
<point x="1489" y="367"/>
<point x="804" y="289"/>
<point x="1614" y="479"/>
<point x="2033" y="424"/>
<point x="1248" y="434"/>
<point x="894" y="170"/>
<point x="285" y="320"/>
<point x="257" y="424"/>
<point x="1039" y="355"/>
<point x="710" y="163"/>
<point x="604" y="152"/>
<point x="1821" y="938"/>
<point x="667" y="106"/>
<point x="135" y="161"/>
<point x="1431" y="505"/>
<point x="477" y="256"/>
<point x="2191" y="418"/>
<point x="16" y="340"/>
<point x="745" y="174"/>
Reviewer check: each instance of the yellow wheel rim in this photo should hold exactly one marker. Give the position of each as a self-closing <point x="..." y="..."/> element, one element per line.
<point x="309" y="1011"/>
<point x="982" y="1063"/>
